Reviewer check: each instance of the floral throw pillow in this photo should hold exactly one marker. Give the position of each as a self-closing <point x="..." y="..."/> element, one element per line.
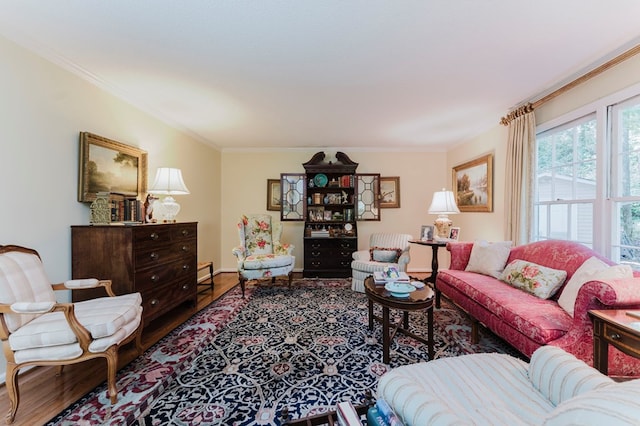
<point x="536" y="279"/>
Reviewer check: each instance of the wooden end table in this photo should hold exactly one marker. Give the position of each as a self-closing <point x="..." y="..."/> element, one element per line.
<point x="435" y="245"/>
<point x="612" y="327"/>
<point x="421" y="299"/>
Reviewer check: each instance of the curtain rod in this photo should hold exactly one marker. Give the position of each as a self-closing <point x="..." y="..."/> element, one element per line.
<point x="582" y="79"/>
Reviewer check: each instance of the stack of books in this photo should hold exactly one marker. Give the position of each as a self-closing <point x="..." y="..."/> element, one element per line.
<point x="382" y="415"/>
<point x="347" y="414"/>
<point x="380" y="277"/>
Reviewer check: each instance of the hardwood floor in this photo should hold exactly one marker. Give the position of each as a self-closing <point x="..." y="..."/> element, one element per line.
<point x="43" y="395"/>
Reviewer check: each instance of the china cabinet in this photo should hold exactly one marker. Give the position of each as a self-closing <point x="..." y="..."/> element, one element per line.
<point x="330" y="197"/>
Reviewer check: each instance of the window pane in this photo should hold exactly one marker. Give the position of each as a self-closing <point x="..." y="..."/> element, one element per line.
<point x="582" y="222"/>
<point x="542" y="221"/>
<point x="559" y="226"/>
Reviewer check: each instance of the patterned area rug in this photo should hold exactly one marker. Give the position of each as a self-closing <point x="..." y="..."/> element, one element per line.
<point x="241" y="361"/>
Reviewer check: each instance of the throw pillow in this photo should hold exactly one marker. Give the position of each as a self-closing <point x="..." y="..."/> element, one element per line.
<point x="384" y="254"/>
<point x="488" y="258"/>
<point x="536" y="279"/>
<point x="592" y="269"/>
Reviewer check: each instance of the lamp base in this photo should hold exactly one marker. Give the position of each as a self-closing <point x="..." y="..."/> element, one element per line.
<point x="168" y="209"/>
<point x="443" y="227"/>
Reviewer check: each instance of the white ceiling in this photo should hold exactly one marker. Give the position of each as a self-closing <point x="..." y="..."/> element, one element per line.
<point x="399" y="74"/>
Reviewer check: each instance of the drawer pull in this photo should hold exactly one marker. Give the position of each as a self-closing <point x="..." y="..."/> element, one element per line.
<point x="185" y="232"/>
<point x="615" y="336"/>
<point x="154" y="236"/>
<point x="185" y="248"/>
<point x="154" y="256"/>
<point x="185" y="287"/>
<point x="154" y="302"/>
<point x="185" y="267"/>
<point x="316" y="245"/>
<point x="155" y="278"/>
<point x="315" y="264"/>
<point x="315" y="253"/>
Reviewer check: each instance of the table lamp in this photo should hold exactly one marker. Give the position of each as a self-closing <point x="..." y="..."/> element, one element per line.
<point x="443" y="204"/>
<point x="169" y="181"/>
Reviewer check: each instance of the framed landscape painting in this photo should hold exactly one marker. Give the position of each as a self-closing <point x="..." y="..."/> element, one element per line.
<point x="473" y="185"/>
<point x="390" y="192"/>
<point x="274" y="195"/>
<point x="110" y="166"/>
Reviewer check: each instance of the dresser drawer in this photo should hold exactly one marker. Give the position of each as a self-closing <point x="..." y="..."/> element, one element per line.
<point x="159" y="300"/>
<point x="621" y="338"/>
<point x="156" y="254"/>
<point x="157" y="234"/>
<point x="182" y="231"/>
<point x="151" y="278"/>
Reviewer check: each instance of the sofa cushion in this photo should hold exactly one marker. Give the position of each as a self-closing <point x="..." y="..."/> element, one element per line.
<point x="540" y="320"/>
<point x="616" y="404"/>
<point x="592" y="269"/>
<point x="535" y="279"/>
<point x="384" y="254"/>
<point x="465" y="390"/>
<point x="489" y="258"/>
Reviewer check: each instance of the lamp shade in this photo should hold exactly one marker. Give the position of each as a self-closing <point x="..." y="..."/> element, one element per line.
<point x="169" y="181"/>
<point x="443" y="203"/>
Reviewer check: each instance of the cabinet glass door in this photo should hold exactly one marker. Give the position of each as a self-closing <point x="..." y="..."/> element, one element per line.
<point x="293" y="196"/>
<point x="368" y="191"/>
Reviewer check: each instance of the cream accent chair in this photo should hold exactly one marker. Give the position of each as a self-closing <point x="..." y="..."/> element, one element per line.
<point x="384" y="250"/>
<point x="36" y="330"/>
<point x="260" y="253"/>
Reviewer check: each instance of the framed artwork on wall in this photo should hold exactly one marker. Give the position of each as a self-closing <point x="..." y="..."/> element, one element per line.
<point x="390" y="192"/>
<point x="110" y="166"/>
<point x="274" y="195"/>
<point x="473" y="185"/>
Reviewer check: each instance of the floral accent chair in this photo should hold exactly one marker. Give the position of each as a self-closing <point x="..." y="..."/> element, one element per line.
<point x="260" y="253"/>
<point x="385" y="250"/>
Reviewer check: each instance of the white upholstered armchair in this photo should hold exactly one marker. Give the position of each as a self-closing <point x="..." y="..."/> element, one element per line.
<point x="37" y="330"/>
<point x="260" y="253"/>
<point x="384" y="250"/>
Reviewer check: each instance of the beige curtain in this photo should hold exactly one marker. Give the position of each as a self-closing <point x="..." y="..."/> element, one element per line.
<point x="519" y="174"/>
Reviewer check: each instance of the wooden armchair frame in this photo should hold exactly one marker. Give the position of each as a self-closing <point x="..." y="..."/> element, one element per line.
<point x="82" y="334"/>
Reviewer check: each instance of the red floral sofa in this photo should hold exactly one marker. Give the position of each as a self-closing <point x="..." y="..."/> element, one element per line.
<point x="528" y="322"/>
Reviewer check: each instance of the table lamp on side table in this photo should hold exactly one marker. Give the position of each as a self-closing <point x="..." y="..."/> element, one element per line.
<point x="443" y="204"/>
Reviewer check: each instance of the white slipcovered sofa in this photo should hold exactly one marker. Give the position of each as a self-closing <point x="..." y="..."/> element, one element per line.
<point x="555" y="388"/>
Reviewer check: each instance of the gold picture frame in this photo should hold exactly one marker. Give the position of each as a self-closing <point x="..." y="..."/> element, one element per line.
<point x="473" y="185"/>
<point x="390" y="192"/>
<point x="274" y="195"/>
<point x="110" y="166"/>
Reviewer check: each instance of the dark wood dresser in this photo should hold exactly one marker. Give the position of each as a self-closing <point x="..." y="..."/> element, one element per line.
<point x="157" y="260"/>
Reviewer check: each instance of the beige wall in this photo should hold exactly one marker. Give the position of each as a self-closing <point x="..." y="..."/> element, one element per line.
<point x="43" y="109"/>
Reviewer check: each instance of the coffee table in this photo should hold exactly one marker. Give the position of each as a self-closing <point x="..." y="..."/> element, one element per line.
<point x="419" y="300"/>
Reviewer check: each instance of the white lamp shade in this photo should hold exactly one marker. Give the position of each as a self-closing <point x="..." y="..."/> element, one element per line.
<point x="443" y="203"/>
<point x="169" y="181"/>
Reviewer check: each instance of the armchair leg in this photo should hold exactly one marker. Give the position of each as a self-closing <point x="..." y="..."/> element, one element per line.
<point x="138" y="341"/>
<point x="242" y="284"/>
<point x="13" y="391"/>
<point x="59" y="369"/>
<point x="290" y="275"/>
<point x="112" y="366"/>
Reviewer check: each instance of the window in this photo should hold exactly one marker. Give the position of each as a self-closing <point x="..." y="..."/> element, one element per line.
<point x="587" y="180"/>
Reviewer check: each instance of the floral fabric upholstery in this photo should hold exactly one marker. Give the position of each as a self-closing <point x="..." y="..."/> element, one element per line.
<point x="528" y="322"/>
<point x="260" y="253"/>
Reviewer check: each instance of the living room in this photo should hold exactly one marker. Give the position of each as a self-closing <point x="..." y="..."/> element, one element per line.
<point x="46" y="106"/>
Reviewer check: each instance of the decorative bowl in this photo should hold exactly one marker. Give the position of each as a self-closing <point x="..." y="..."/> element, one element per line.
<point x="400" y="290"/>
<point x="321" y="180"/>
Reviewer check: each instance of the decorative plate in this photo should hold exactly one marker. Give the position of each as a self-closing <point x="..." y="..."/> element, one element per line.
<point x="400" y="290"/>
<point x="321" y="180"/>
<point x="348" y="227"/>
